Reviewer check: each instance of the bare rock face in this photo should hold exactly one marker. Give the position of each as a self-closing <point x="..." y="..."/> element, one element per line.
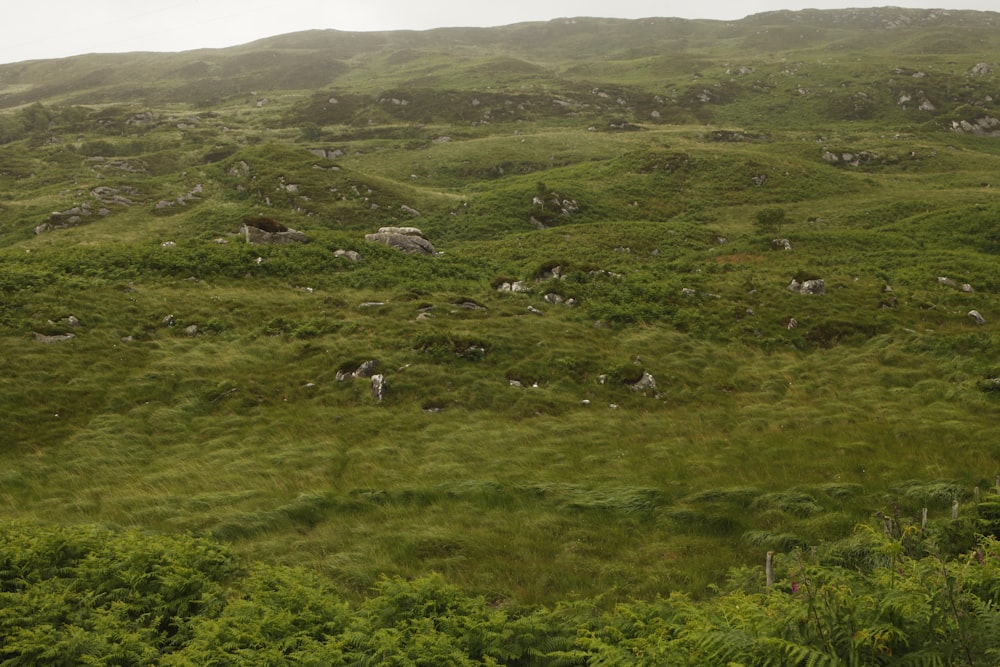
<point x="405" y="239"/>
<point x="260" y="231"/>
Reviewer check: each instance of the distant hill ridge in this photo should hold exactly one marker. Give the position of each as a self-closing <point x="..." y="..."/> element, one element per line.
<point x="318" y="58"/>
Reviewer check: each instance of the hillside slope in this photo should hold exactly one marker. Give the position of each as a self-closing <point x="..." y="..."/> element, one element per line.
<point x="700" y="290"/>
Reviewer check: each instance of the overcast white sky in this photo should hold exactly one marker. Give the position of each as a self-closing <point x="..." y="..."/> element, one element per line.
<point x="31" y="29"/>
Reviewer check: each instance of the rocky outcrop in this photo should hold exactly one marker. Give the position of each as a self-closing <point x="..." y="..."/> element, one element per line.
<point x="183" y="200"/>
<point x="67" y="218"/>
<point x="350" y="255"/>
<point x="105" y="195"/>
<point x="259" y="231"/>
<point x="645" y="383"/>
<point x="816" y="286"/>
<point x="976" y="317"/>
<point x="850" y="159"/>
<point x="327" y="153"/>
<point x="405" y="239"/>
<point x="945" y="281"/>
<point x="518" y="286"/>
<point x="364" y="371"/>
<point x="114" y="196"/>
<point x="986" y="126"/>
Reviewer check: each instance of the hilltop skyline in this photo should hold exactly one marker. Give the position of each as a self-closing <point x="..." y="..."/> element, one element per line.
<point x="62" y="29"/>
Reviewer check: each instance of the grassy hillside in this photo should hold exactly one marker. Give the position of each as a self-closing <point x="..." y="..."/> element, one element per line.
<point x="620" y="171"/>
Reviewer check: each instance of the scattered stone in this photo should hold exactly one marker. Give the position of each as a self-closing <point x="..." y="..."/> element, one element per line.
<point x="366" y="369"/>
<point x="948" y="282"/>
<point x="688" y="293"/>
<point x="781" y="244"/>
<point x="645" y="382"/>
<point x="554" y="298"/>
<point x="516" y="286"/>
<point x="327" y="153"/>
<point x="57" y="338"/>
<point x="108" y="195"/>
<point x="378" y="387"/>
<point x="125" y="165"/>
<point x="412" y="211"/>
<point x="981" y="69"/>
<point x="169" y="321"/>
<point x="807" y="287"/>
<point x="240" y="169"/>
<point x="976" y="317"/>
<point x="554" y="273"/>
<point x="191" y="331"/>
<point x="406" y="239"/>
<point x="145" y="118"/>
<point x="515" y="383"/>
<point x="534" y="311"/>
<point x="351" y="255"/>
<point x="470" y="305"/>
<point x="220" y="241"/>
<point x="986" y="126"/>
<point x="850" y="159"/>
<point x="371" y="304"/>
<point x="792" y="323"/>
<point x="74" y="321"/>
<point x="127" y="339"/>
<point x="168" y="244"/>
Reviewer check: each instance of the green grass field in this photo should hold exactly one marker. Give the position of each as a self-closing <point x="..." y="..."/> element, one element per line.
<point x="511" y="454"/>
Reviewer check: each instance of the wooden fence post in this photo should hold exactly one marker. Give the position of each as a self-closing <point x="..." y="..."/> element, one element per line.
<point x="769" y="569"/>
<point x="954" y="509"/>
<point x="923" y="519"/>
